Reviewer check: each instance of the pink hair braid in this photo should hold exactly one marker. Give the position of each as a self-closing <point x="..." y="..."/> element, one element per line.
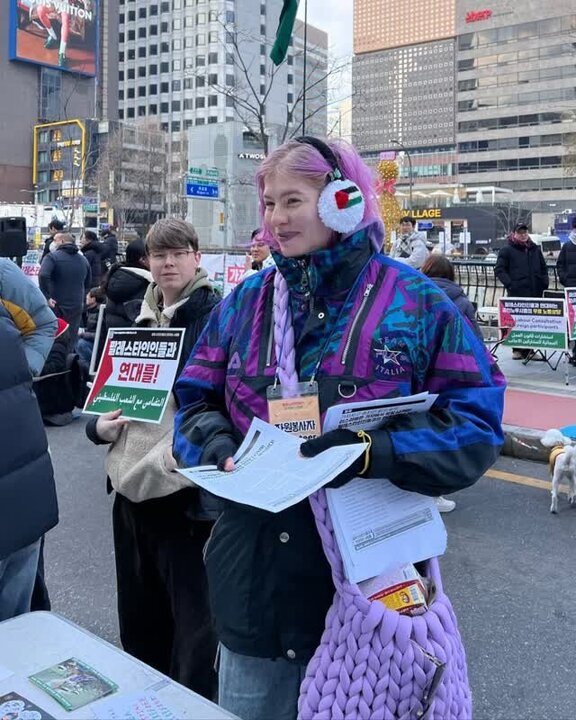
<point x="284" y="337"/>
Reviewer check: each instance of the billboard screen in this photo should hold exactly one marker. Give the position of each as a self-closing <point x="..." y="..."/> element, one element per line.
<point x="56" y="33"/>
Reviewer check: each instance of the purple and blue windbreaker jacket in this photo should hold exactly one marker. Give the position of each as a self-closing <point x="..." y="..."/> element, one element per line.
<point x="379" y="329"/>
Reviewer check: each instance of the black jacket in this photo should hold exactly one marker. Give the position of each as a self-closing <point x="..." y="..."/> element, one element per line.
<point x="65" y="277"/>
<point x="522" y="270"/>
<point x="125" y="290"/>
<point x="566" y="264"/>
<point x="46" y="249"/>
<point x="28" y="505"/>
<point x="109" y="251"/>
<point x="460" y="299"/>
<point x="92" y="251"/>
<point x="59" y="385"/>
<point x="91" y="321"/>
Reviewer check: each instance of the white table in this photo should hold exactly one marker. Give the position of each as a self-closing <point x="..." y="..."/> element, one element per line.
<point x="34" y="642"/>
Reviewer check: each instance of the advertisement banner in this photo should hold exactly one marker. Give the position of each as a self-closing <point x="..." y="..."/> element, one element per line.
<point x="136" y="373"/>
<point x="533" y="323"/>
<point x="61" y="34"/>
<point x="570" y="298"/>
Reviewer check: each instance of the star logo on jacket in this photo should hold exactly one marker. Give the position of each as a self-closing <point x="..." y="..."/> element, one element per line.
<point x="387" y="360"/>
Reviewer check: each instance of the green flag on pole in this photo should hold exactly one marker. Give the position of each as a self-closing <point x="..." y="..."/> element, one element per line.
<point x="284" y="32"/>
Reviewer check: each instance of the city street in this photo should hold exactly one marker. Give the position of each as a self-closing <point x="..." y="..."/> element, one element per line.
<point x="508" y="571"/>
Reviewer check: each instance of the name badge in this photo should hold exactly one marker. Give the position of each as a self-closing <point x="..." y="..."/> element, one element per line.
<point x="298" y="415"/>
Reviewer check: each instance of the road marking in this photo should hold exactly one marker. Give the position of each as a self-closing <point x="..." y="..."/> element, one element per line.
<point x="523" y="480"/>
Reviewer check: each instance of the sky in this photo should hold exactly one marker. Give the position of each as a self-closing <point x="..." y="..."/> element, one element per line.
<point x="335" y="17"/>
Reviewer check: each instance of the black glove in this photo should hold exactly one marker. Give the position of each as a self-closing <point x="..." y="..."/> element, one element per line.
<point x="218" y="450"/>
<point x="314" y="447"/>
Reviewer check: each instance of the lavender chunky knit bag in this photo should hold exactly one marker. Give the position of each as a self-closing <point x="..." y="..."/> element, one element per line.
<point x="373" y="663"/>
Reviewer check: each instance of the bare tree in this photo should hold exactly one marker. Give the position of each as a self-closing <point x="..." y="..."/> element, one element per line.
<point x="131" y="173"/>
<point x="569" y="157"/>
<point x="249" y="95"/>
<point x="507" y="215"/>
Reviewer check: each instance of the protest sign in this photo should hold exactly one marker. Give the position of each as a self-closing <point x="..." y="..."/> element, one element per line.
<point x="136" y="373"/>
<point x="533" y="323"/>
<point x="570" y="299"/>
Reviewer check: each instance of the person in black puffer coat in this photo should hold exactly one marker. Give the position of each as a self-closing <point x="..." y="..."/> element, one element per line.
<point x="65" y="278"/>
<point x="125" y="286"/>
<point x="28" y="504"/>
<point x="441" y="270"/>
<point x="92" y="250"/>
<point x="522" y="270"/>
<point x="110" y="248"/>
<point x="521" y="267"/>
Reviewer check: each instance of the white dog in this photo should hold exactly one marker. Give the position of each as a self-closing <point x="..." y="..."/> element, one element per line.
<point x="562" y="464"/>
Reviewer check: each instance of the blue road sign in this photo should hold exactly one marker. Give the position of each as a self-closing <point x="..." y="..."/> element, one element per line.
<point x="201" y="189"/>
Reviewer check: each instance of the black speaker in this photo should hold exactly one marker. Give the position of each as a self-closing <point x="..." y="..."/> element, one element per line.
<point x="13" y="238"/>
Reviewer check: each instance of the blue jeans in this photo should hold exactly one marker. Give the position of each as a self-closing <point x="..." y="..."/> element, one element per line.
<point x="17" y="576"/>
<point x="84" y="349"/>
<point x="257" y="688"/>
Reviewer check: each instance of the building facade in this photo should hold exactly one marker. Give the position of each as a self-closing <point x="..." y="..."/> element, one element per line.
<point x="230" y="152"/>
<point x="480" y="95"/>
<point x="516" y="125"/>
<point x="189" y="63"/>
<point x="46" y="93"/>
<point x="403" y="79"/>
<point x="314" y="108"/>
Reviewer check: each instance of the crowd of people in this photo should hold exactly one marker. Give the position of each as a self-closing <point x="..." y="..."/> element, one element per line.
<point x="203" y="583"/>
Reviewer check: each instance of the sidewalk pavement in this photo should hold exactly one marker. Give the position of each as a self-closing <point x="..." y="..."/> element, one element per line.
<point x="537" y="399"/>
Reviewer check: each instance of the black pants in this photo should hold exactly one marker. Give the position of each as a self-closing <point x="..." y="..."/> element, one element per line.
<point x="162" y="589"/>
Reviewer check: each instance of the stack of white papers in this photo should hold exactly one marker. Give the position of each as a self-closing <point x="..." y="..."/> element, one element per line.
<point x="379" y="527"/>
<point x="270" y="473"/>
<point x="371" y="415"/>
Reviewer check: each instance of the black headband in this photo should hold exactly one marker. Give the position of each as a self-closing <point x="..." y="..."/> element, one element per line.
<point x="324" y="149"/>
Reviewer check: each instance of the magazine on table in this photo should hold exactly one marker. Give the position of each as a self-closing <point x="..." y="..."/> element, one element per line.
<point x="73" y="683"/>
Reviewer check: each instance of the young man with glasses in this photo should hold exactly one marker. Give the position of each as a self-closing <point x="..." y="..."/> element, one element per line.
<point x="159" y="534"/>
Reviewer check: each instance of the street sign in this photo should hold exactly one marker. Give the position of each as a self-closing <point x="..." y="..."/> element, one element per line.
<point x="203" y="173"/>
<point x="203" y="189"/>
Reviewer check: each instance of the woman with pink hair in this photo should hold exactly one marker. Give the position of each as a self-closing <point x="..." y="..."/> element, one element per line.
<point x="335" y="321"/>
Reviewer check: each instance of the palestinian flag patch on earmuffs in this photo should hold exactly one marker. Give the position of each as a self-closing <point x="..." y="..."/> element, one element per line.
<point x="341" y="206"/>
<point x="348" y="197"/>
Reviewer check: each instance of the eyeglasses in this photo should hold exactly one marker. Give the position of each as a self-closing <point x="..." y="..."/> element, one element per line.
<point x="176" y="255"/>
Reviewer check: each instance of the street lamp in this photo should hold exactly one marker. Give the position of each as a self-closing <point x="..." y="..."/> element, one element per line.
<point x="31" y="192"/>
<point x="410" y="178"/>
